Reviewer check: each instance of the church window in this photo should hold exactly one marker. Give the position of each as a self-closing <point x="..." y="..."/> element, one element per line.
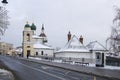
<point x="28" y="37"/>
<point x="42" y="53"/>
<point x="36" y="53"/>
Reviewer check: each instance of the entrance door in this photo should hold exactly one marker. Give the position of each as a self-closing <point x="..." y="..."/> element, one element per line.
<point x="28" y="53"/>
<point x="99" y="59"/>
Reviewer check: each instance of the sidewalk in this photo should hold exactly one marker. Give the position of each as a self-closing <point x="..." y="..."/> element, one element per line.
<point x="102" y="72"/>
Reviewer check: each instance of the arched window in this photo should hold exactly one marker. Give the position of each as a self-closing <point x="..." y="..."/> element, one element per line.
<point x="42" y="53"/>
<point x="28" y="37"/>
<point x="36" y="53"/>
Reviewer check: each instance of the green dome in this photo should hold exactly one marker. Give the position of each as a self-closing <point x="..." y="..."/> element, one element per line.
<point x="27" y="25"/>
<point x="33" y="27"/>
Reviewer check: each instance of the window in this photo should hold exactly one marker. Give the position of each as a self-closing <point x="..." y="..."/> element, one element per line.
<point x="36" y="53"/>
<point x="28" y="52"/>
<point x="41" y="52"/>
<point x="28" y="37"/>
<point x="28" y="46"/>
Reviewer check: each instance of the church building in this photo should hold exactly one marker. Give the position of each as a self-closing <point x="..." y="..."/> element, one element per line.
<point x="35" y="45"/>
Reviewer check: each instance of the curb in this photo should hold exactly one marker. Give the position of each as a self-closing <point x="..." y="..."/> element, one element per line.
<point x="80" y="69"/>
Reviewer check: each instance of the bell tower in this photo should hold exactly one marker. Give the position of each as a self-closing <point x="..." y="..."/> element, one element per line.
<point x="27" y="41"/>
<point x="43" y="35"/>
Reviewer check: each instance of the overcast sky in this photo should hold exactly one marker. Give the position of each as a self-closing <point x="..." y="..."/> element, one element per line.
<point x="90" y="18"/>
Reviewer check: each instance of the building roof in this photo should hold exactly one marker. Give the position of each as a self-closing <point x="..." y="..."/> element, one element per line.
<point x="74" y="45"/>
<point x="33" y="27"/>
<point x="36" y="36"/>
<point x="41" y="46"/>
<point x="95" y="45"/>
<point x="42" y="35"/>
<point x="27" y="25"/>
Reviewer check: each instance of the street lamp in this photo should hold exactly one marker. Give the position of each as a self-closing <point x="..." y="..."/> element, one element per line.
<point x="4" y="2"/>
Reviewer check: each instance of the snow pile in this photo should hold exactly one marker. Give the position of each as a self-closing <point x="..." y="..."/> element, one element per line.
<point x="6" y="75"/>
<point x="112" y="67"/>
<point x="35" y="58"/>
<point x="106" y="67"/>
<point x="58" y="61"/>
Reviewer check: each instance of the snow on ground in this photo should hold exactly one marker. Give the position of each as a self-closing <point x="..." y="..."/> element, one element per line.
<point x="112" y="67"/>
<point x="35" y="58"/>
<point x="58" y="61"/>
<point x="6" y="75"/>
<point x="107" y="67"/>
<point x="90" y="65"/>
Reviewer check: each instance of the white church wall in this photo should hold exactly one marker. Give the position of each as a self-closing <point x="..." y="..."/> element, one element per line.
<point x="44" y="52"/>
<point x="73" y="55"/>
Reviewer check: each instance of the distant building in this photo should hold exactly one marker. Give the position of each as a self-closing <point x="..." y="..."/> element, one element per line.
<point x="5" y="48"/>
<point x="95" y="46"/>
<point x="98" y="52"/>
<point x="18" y="50"/>
<point x="35" y="45"/>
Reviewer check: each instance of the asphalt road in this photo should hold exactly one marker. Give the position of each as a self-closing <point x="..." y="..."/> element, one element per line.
<point x="26" y="70"/>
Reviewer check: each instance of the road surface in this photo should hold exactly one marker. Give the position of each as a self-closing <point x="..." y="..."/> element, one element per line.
<point x="26" y="70"/>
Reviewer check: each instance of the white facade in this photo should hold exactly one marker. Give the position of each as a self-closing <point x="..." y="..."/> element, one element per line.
<point x="43" y="50"/>
<point x="74" y="49"/>
<point x="74" y="55"/>
<point x="95" y="47"/>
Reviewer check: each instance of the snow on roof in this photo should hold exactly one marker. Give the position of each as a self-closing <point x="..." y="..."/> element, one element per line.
<point x="41" y="46"/>
<point x="74" y="45"/>
<point x="19" y="50"/>
<point x="95" y="45"/>
<point x="36" y="36"/>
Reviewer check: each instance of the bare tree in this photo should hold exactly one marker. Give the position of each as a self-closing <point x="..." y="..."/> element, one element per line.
<point x="3" y="20"/>
<point x="114" y="39"/>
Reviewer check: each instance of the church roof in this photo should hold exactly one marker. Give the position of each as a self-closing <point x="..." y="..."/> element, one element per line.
<point x="74" y="45"/>
<point x="41" y="46"/>
<point x="33" y="27"/>
<point x="42" y="35"/>
<point x="95" y="45"/>
<point x="27" y="25"/>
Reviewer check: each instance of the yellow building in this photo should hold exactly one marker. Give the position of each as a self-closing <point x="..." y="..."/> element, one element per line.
<point x="5" y="48"/>
<point x="34" y="45"/>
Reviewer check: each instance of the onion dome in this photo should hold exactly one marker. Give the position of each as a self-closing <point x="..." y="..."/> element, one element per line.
<point x="33" y="27"/>
<point x="27" y="25"/>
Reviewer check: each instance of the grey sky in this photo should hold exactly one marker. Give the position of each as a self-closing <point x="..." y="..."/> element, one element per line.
<point x="90" y="18"/>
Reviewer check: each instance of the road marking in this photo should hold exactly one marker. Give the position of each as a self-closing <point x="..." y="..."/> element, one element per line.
<point x="43" y="72"/>
<point x="94" y="77"/>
